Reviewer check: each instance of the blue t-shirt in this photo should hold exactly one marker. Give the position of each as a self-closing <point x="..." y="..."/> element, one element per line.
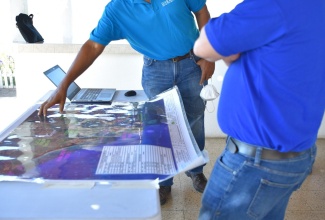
<point x="274" y="94"/>
<point x="161" y="30"/>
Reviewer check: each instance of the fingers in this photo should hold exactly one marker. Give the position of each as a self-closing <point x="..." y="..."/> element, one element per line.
<point x="58" y="97"/>
<point x="202" y="80"/>
<point x="43" y="108"/>
<point x="208" y="76"/>
<point x="48" y="104"/>
<point x="207" y="69"/>
<point x="45" y="105"/>
<point x="205" y="77"/>
<point x="62" y="106"/>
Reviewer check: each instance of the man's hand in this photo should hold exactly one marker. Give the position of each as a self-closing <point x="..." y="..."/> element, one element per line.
<point x="207" y="69"/>
<point x="58" y="97"/>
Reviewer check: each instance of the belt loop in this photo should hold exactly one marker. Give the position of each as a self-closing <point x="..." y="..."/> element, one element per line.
<point x="192" y="54"/>
<point x="227" y="139"/>
<point x="313" y="151"/>
<point x="258" y="156"/>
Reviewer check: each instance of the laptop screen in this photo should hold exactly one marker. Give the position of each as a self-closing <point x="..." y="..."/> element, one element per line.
<point x="56" y="75"/>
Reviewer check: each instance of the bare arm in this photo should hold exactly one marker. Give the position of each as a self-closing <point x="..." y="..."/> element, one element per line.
<point x="202" y="17"/>
<point x="86" y="56"/>
<point x="204" y="49"/>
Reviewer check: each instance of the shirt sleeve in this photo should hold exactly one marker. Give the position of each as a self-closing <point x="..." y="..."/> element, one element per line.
<point x="106" y="30"/>
<point x="249" y="25"/>
<point x="195" y="5"/>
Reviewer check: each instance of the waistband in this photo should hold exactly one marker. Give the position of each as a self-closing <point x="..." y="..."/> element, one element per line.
<point x="179" y="58"/>
<point x="236" y="146"/>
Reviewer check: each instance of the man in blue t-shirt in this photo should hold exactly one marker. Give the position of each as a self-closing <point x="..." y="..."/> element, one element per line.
<point x="164" y="31"/>
<point x="271" y="105"/>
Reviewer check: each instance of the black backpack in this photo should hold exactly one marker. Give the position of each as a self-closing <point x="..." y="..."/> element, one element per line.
<point x="27" y="29"/>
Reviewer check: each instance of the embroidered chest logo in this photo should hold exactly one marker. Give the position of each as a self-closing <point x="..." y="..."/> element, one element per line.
<point x="166" y="2"/>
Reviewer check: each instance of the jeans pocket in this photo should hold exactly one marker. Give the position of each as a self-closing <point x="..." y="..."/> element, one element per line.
<point x="268" y="195"/>
<point x="228" y="168"/>
<point x="195" y="58"/>
<point x="232" y="162"/>
<point x="147" y="61"/>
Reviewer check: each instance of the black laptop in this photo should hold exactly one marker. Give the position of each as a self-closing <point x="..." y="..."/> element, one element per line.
<point x="77" y="95"/>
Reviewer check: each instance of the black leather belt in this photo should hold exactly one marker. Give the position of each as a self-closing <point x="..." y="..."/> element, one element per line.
<point x="179" y="58"/>
<point x="236" y="146"/>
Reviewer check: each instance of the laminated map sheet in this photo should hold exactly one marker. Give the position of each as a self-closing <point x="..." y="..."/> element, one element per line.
<point x="146" y="140"/>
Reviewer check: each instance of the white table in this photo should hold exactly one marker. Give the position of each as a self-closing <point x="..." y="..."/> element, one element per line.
<point x="20" y="200"/>
<point x="80" y="200"/>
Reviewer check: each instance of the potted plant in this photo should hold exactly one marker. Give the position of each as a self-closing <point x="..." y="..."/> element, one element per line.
<point x="7" y="69"/>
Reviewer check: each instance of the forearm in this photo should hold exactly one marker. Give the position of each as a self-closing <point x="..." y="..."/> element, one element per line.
<point x="204" y="49"/>
<point x="86" y="56"/>
<point x="202" y="17"/>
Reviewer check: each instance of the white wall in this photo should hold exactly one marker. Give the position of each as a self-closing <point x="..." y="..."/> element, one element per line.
<point x="118" y="70"/>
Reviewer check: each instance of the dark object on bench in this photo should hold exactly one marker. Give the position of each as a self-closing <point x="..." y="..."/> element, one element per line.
<point x="27" y="29"/>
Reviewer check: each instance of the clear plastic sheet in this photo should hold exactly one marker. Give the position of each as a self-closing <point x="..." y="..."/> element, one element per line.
<point x="122" y="141"/>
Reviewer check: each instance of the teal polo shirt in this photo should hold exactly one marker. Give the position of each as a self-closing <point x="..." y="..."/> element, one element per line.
<point x="161" y="30"/>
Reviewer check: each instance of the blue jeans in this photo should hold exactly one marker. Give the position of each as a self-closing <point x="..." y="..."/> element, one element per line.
<point x="160" y="75"/>
<point x="242" y="187"/>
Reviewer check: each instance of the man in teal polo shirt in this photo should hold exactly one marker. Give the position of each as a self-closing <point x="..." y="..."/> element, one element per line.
<point x="164" y="31"/>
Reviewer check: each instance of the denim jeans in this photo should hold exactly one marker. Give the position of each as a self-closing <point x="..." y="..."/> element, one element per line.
<point x="160" y="75"/>
<point x="242" y="187"/>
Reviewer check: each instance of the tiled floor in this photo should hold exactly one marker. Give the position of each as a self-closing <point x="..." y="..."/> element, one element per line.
<point x="308" y="203"/>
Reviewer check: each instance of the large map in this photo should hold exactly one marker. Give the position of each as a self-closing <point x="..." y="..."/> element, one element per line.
<point x="122" y="141"/>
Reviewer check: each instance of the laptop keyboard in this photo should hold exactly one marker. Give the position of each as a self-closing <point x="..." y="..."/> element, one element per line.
<point x="91" y="94"/>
